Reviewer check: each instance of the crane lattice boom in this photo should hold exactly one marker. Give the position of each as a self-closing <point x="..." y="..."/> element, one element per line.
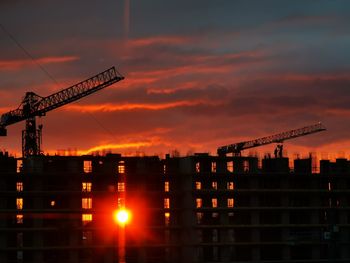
<point x="34" y="105"/>
<point x="236" y="148"/>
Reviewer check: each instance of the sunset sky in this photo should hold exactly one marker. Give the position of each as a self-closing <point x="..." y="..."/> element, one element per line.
<point x="198" y="74"/>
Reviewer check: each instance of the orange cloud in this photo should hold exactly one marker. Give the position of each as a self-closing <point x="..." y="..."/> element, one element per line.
<point x="290" y="76"/>
<point x="233" y="57"/>
<point x="183" y="70"/>
<point x="4" y="109"/>
<point x="128" y="107"/>
<point x="136" y="81"/>
<point x="184" y="86"/>
<point x="140" y="42"/>
<point x="19" y="64"/>
<point x="338" y="112"/>
<point x="114" y="147"/>
<point x="202" y="65"/>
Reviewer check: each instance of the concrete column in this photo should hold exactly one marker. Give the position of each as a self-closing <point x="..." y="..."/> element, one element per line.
<point x="286" y="249"/>
<point x="188" y="216"/>
<point x="74" y="240"/>
<point x="224" y="238"/>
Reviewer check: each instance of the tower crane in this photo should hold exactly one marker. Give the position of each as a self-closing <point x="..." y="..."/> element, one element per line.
<point x="236" y="148"/>
<point x="33" y="106"/>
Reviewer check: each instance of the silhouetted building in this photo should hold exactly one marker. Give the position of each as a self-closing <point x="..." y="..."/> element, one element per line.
<point x="226" y="209"/>
<point x="198" y="208"/>
<point x="60" y="209"/>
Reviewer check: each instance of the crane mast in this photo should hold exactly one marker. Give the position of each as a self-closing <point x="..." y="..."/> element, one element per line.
<point x="33" y="106"/>
<point x="236" y="148"/>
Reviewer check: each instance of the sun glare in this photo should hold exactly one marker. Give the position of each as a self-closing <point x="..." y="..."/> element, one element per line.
<point x="122" y="216"/>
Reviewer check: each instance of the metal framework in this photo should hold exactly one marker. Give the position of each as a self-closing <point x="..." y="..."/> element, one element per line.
<point x="34" y="105"/>
<point x="236" y="148"/>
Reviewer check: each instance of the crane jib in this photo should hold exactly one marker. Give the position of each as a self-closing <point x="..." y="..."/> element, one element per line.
<point x="60" y="98"/>
<point x="78" y="91"/>
<point x="34" y="105"/>
<point x="236" y="148"/>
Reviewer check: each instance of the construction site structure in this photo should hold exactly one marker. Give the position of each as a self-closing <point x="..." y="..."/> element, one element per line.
<point x="34" y="105"/>
<point x="198" y="208"/>
<point x="279" y="138"/>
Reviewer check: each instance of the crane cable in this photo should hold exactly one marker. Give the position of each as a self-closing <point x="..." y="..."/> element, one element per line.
<point x="26" y="52"/>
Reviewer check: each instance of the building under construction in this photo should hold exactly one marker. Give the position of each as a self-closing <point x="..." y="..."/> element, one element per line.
<point x="198" y="208"/>
<point x="227" y="209"/>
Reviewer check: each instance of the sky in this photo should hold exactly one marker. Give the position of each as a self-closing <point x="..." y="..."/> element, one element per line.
<point x="198" y="74"/>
